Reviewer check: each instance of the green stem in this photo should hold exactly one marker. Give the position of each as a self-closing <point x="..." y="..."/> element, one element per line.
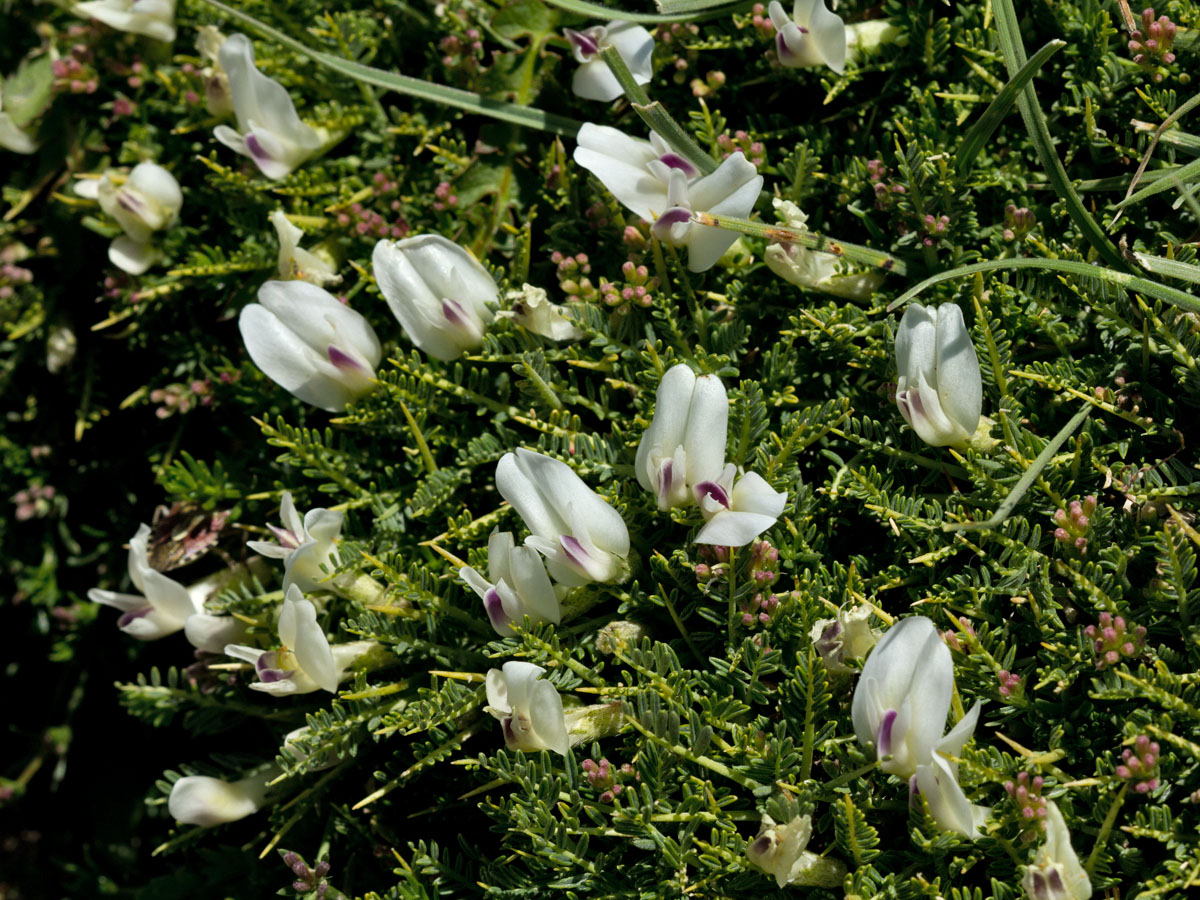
<point x="655" y="115"/>
<point x="813" y="241"/>
<point x="1105" y="828"/>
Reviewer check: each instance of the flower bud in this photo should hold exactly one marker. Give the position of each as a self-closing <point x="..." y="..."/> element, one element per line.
<point x="939" y="390"/>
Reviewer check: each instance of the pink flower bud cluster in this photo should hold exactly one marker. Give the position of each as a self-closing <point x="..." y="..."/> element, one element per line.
<point x="465" y="53"/>
<point x="715" y="565"/>
<point x="444" y="197"/>
<point x="1010" y="684"/>
<point x="759" y="21"/>
<point x="635" y="290"/>
<point x="180" y="398"/>
<point x="675" y="38"/>
<point x="1115" y="639"/>
<point x="604" y="777"/>
<point x="11" y="277"/>
<point x="33" y="502"/>
<point x="1026" y="793"/>
<point x="1151" y="44"/>
<point x="308" y="879"/>
<point x="572" y="276"/>
<point x="713" y="82"/>
<point x="741" y="142"/>
<point x="1139" y="765"/>
<point x="885" y="191"/>
<point x="72" y="75"/>
<point x="951" y="637"/>
<point x="1018" y="222"/>
<point x="933" y="229"/>
<point x="368" y="223"/>
<point x="1073" y="524"/>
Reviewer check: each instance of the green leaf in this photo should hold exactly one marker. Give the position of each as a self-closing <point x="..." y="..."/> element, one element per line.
<point x="523" y="18"/>
<point x="29" y="90"/>
<point x="983" y="129"/>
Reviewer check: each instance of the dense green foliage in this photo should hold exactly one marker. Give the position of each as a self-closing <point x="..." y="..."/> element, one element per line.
<point x="724" y="721"/>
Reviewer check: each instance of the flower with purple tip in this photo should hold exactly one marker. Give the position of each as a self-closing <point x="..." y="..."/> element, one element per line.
<point x="440" y="293"/>
<point x="310" y="344"/>
<point x="593" y="80"/>
<point x="269" y="131"/>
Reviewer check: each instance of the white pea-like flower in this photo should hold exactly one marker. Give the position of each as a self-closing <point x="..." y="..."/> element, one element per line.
<point x="519" y="585"/>
<point x="533" y="311"/>
<point x="900" y="706"/>
<point x="811" y="36"/>
<point x="163" y="605"/>
<point x="849" y="636"/>
<point x="737" y="509"/>
<point x="438" y="291"/>
<point x="582" y="538"/>
<point x="305" y="662"/>
<point x="685" y="443"/>
<point x="662" y="186"/>
<point x="530" y="710"/>
<point x="201" y="800"/>
<point x="218" y="98"/>
<point x="814" y="269"/>
<point x="779" y="850"/>
<point x="305" y="545"/>
<point x="146" y="201"/>
<point x="153" y="18"/>
<point x="269" y="131"/>
<point x="294" y="261"/>
<point x="1056" y="873"/>
<point x="593" y="80"/>
<point x="939" y="389"/>
<point x="310" y="344"/>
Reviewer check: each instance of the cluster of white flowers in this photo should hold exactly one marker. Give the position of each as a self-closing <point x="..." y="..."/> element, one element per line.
<point x="326" y="354"/>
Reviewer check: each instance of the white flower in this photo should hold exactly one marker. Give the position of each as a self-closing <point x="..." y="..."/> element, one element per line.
<point x="530" y="711"/>
<point x="900" y="706"/>
<point x="294" y="261"/>
<point x="268" y="129"/>
<point x="814" y="269"/>
<point x="663" y="187"/>
<point x="1056" y="873"/>
<point x="147" y="201"/>
<point x="305" y="663"/>
<point x="304" y="545"/>
<point x="685" y="443"/>
<point x="593" y="79"/>
<point x="735" y="514"/>
<point x="311" y="345"/>
<point x="153" y="18"/>
<point x="813" y="36"/>
<point x="212" y="633"/>
<point x="849" y="636"/>
<point x="437" y="290"/>
<point x="519" y="585"/>
<point x="533" y="311"/>
<point x="218" y="98"/>
<point x="939" y="389"/>
<point x="200" y="800"/>
<point x="163" y="606"/>
<point x="778" y="849"/>
<point x="582" y="537"/>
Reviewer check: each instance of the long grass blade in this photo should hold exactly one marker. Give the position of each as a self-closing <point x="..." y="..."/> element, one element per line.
<point x="981" y="132"/>
<point x="1035" y="122"/>
<point x="1123" y="280"/>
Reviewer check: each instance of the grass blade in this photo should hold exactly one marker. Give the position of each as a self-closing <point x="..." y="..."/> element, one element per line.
<point x="983" y="129"/>
<point x="1039" y="133"/>
<point x="1124" y="280"/>
<point x="605" y="13"/>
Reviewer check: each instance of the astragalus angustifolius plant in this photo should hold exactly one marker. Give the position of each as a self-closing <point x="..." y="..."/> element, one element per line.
<point x="539" y="449"/>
